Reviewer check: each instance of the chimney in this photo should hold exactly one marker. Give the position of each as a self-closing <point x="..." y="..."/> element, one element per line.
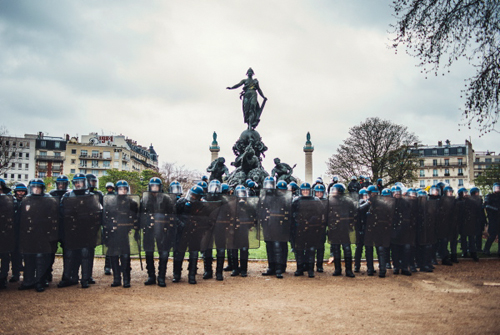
<point x="440" y="143"/>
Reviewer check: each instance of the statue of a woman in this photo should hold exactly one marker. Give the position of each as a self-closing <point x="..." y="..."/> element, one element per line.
<point x="251" y="108"/>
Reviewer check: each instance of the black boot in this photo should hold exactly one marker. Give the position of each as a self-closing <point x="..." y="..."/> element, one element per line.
<point x="177" y="271"/>
<point x="474" y="256"/>
<point x="162" y="269"/>
<point x="244" y="262"/>
<point x="192" y="270"/>
<point x="229" y="266"/>
<point x="126" y="270"/>
<point x="320" y="254"/>
<point x="299" y="258"/>
<point x="348" y="267"/>
<point x="446" y="261"/>
<point x="382" y="262"/>
<point x="117" y="271"/>
<point x="454" y="258"/>
<point x="279" y="270"/>
<point x="85" y="268"/>
<point x="234" y="261"/>
<point x="219" y="268"/>
<point x="271" y="268"/>
<point x="69" y="262"/>
<point x="369" y="260"/>
<point x="207" y="264"/>
<point x="41" y="275"/>
<point x="236" y="268"/>
<point x="150" y="267"/>
<point x="3" y="283"/>
<point x="107" y="266"/>
<point x="338" y="266"/>
<point x="310" y="270"/>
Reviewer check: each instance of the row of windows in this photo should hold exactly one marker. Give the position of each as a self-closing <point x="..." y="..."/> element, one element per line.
<point x="15" y="144"/>
<point x="18" y="155"/>
<point x="85" y="171"/>
<point x="460" y="161"/>
<point x="43" y="144"/>
<point x="446" y="152"/>
<point x="447" y="181"/>
<point x="13" y="176"/>
<point x="44" y="153"/>
<point x="19" y="166"/>
<point x="488" y="160"/>
<point x="446" y="172"/>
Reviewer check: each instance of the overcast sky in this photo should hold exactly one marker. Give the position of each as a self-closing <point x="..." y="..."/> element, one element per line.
<point x="156" y="71"/>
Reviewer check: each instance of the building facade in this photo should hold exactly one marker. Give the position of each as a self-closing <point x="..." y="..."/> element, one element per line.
<point x="21" y="164"/>
<point x="50" y="154"/>
<point x="99" y="153"/>
<point x="448" y="163"/>
<point x="484" y="160"/>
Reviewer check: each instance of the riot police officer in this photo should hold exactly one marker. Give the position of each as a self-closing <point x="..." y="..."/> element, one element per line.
<point x="20" y="192"/>
<point x="492" y="206"/>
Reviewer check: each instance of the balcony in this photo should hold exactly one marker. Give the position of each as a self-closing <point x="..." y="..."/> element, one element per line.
<point x="443" y="165"/>
<point x="56" y="168"/>
<point x="51" y="158"/>
<point x="95" y="157"/>
<point x="42" y="167"/>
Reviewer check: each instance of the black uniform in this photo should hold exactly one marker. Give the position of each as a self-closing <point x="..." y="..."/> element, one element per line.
<point x="492" y="206"/>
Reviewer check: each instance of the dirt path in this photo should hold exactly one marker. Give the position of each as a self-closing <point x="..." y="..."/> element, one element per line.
<point x="452" y="300"/>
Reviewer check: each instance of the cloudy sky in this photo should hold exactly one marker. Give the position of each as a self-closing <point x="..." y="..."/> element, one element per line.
<point x="156" y="71"/>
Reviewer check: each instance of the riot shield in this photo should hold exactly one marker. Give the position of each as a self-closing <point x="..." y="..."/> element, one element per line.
<point x="121" y="225"/>
<point x="274" y="214"/>
<point x="342" y="216"/>
<point x="38" y="224"/>
<point x="404" y="223"/>
<point x="309" y="223"/>
<point x="246" y="232"/>
<point x="225" y="221"/>
<point x="81" y="220"/>
<point x="471" y="225"/>
<point x="429" y="214"/>
<point x="447" y="223"/>
<point x="158" y="225"/>
<point x="7" y="232"/>
<point x="379" y="222"/>
<point x="198" y="225"/>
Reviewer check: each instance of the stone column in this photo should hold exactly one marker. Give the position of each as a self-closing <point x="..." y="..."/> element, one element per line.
<point x="308" y="150"/>
<point x="214" y="148"/>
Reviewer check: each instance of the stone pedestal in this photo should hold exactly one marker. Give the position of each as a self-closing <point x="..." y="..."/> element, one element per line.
<point x="308" y="150"/>
<point x="214" y="148"/>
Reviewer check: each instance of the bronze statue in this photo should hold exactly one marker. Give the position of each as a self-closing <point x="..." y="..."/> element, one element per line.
<point x="218" y="169"/>
<point x="283" y="171"/>
<point x="251" y="108"/>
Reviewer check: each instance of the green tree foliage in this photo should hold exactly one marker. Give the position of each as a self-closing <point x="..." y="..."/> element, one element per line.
<point x="487" y="178"/>
<point x="378" y="148"/>
<point x="138" y="181"/>
<point x="440" y="32"/>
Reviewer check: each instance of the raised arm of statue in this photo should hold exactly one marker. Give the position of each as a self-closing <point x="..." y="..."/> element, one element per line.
<point x="236" y="86"/>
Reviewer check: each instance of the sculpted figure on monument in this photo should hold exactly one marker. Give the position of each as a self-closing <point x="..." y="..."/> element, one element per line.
<point x="217" y="169"/>
<point x="283" y="171"/>
<point x="251" y="108"/>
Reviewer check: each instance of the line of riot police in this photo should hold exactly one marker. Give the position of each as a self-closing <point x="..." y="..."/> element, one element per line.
<point x="409" y="226"/>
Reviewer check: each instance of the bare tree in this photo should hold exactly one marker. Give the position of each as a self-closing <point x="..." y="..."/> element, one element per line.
<point x="378" y="148"/>
<point x="8" y="150"/>
<point x="172" y="172"/>
<point x="435" y="29"/>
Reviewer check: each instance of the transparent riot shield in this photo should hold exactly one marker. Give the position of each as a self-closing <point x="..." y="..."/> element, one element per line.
<point x="39" y="224"/>
<point x="446" y="223"/>
<point x="472" y="226"/>
<point x="246" y="232"/>
<point x="342" y="216"/>
<point x="158" y="225"/>
<point x="403" y="224"/>
<point x="198" y="226"/>
<point x="7" y="232"/>
<point x="429" y="214"/>
<point x="274" y="214"/>
<point x="379" y="222"/>
<point x="309" y="220"/>
<point x="121" y="225"/>
<point x="81" y="220"/>
<point x="225" y="221"/>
